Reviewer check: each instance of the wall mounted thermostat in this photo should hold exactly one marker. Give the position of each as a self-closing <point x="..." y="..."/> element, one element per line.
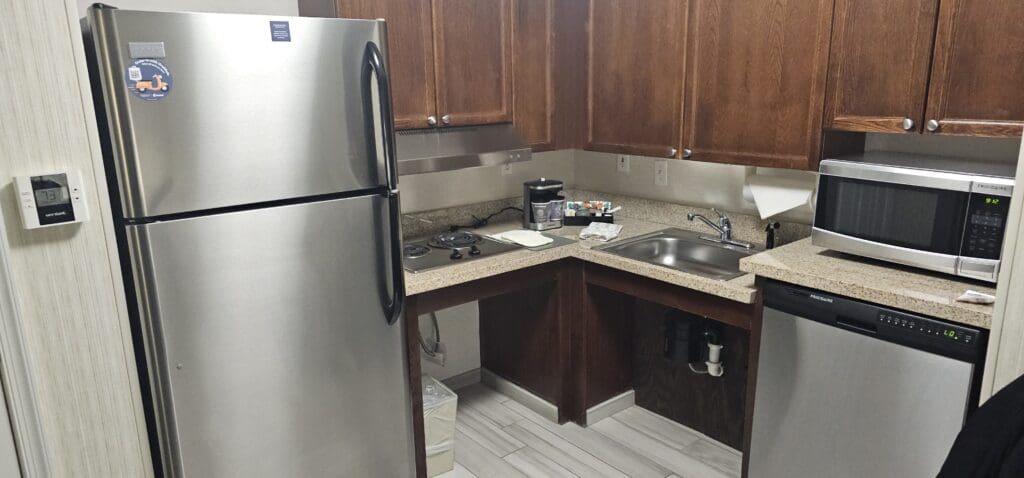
<point x="51" y="199"/>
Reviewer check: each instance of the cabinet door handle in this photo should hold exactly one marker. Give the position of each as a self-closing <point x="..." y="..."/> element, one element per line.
<point x="687" y="152"/>
<point x="933" y="125"/>
<point x="446" y="119"/>
<point x="908" y="124"/>
<point x="672" y="152"/>
<point x="432" y="120"/>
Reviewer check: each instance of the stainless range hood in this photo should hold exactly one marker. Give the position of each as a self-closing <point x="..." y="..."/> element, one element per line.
<point x="446" y="149"/>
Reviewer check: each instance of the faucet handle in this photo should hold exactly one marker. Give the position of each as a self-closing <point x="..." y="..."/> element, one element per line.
<point x="723" y="220"/>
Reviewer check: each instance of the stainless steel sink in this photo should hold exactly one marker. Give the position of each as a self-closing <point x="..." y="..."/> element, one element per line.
<point x="683" y="251"/>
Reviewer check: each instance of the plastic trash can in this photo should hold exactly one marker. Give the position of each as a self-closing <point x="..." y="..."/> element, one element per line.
<point x="439" y="407"/>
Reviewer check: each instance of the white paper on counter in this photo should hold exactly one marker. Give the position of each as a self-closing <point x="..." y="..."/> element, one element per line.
<point x="524" y="237"/>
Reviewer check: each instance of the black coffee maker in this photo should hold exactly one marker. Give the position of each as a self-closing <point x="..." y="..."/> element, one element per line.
<point x="543" y="206"/>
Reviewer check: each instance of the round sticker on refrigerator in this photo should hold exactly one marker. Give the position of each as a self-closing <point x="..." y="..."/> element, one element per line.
<point x="149" y="79"/>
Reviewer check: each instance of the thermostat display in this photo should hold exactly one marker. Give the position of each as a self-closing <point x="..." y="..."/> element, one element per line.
<point x="51" y="199"/>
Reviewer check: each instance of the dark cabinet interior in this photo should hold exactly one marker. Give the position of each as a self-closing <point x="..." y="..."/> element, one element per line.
<point x="713" y="406"/>
<point x="628" y="337"/>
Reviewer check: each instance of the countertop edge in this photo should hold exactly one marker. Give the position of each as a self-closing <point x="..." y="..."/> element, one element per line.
<point x="949" y="312"/>
<point x="735" y="290"/>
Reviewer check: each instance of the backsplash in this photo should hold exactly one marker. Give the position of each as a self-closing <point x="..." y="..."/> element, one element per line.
<point x="745" y="227"/>
<point x="689" y="182"/>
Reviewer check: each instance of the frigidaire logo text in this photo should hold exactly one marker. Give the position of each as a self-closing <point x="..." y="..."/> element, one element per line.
<point x="823" y="299"/>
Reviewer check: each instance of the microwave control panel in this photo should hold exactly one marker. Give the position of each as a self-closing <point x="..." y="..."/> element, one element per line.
<point x="51" y="199"/>
<point x="986" y="225"/>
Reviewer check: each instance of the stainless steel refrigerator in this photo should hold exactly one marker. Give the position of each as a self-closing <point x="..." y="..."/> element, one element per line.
<point x="252" y="174"/>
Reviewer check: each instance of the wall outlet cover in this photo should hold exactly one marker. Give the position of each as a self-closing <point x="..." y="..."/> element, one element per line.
<point x="661" y="173"/>
<point x="506" y="169"/>
<point x="623" y="163"/>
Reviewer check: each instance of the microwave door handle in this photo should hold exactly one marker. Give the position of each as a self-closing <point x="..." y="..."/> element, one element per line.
<point x="375" y="67"/>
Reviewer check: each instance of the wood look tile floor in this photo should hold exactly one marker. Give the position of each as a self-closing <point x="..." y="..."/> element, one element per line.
<point x="496" y="437"/>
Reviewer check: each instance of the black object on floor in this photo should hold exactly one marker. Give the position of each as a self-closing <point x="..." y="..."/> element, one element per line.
<point x="991" y="444"/>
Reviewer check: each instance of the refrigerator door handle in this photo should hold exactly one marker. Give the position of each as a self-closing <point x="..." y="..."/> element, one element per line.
<point x="375" y="66"/>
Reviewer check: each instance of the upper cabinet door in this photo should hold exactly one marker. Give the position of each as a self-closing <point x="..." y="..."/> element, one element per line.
<point x="410" y="55"/>
<point x="533" y="67"/>
<point x="473" y="60"/>
<point x="878" y="71"/>
<point x="636" y="51"/>
<point x="978" y="69"/>
<point x="756" y="81"/>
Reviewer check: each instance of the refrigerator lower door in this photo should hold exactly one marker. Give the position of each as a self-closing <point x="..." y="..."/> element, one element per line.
<point x="267" y="344"/>
<point x="833" y="403"/>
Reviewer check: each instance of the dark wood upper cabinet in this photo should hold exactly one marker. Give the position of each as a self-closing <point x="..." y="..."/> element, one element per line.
<point x="410" y="54"/>
<point x="878" y="69"/>
<point x="978" y="69"/>
<point x="473" y="61"/>
<point x="533" y="60"/>
<point x="755" y="84"/>
<point x="636" y="59"/>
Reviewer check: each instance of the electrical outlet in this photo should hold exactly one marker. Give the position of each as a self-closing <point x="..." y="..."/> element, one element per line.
<point x="623" y="164"/>
<point x="506" y="169"/>
<point x="661" y="173"/>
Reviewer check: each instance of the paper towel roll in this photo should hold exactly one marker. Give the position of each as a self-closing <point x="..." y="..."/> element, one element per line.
<point x="774" y="195"/>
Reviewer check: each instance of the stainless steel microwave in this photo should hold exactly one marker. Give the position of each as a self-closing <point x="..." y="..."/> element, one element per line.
<point x="906" y="212"/>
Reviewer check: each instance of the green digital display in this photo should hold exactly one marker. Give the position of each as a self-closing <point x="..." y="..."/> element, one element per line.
<point x="950" y="333"/>
<point x="992" y="201"/>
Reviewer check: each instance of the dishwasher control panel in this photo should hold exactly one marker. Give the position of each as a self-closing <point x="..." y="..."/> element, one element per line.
<point x="957" y="341"/>
<point x="926" y="327"/>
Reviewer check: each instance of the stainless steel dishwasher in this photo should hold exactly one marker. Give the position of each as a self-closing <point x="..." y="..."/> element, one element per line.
<point x="851" y="389"/>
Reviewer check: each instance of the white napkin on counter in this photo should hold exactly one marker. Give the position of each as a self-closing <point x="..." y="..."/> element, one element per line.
<point x="523" y="237"/>
<point x="602" y="231"/>
<point x="974" y="297"/>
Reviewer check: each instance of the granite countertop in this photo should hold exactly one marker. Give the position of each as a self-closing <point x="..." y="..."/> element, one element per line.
<point x="740" y="289"/>
<point x="913" y="290"/>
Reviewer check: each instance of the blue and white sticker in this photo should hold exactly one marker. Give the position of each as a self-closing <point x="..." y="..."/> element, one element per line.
<point x="149" y="79"/>
<point x="280" y="31"/>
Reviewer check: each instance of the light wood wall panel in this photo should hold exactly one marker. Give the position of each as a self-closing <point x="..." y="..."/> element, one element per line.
<point x="1005" y="360"/>
<point x="65" y="279"/>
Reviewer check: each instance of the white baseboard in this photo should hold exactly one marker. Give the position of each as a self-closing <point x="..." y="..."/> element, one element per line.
<point x="464" y="379"/>
<point x="610" y="407"/>
<point x="521" y="395"/>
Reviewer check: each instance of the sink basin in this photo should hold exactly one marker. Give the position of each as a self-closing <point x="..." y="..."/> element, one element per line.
<point x="684" y="251"/>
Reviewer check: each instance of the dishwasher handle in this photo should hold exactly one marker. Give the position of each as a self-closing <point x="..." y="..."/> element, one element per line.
<point x="870" y="328"/>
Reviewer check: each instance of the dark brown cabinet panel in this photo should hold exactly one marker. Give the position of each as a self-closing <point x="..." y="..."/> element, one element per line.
<point x="878" y="68"/>
<point x="636" y="52"/>
<point x="473" y="61"/>
<point x="978" y="69"/>
<point x="755" y="86"/>
<point x="533" y="66"/>
<point x="410" y="54"/>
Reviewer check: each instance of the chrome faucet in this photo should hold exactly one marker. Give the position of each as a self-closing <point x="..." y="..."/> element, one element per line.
<point x="723" y="228"/>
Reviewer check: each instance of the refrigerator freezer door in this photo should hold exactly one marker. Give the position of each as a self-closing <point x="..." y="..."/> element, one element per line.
<point x="270" y="354"/>
<point x="250" y="115"/>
